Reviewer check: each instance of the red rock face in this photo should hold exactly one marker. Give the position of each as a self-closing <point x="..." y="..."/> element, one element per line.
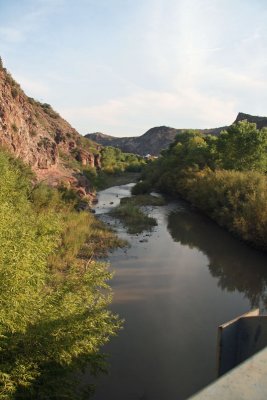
<point x="34" y="131"/>
<point x="38" y="135"/>
<point x="88" y="159"/>
<point x="21" y="129"/>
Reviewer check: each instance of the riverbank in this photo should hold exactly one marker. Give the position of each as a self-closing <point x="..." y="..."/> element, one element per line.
<point x="118" y="179"/>
<point x="223" y="176"/>
<point x="235" y="200"/>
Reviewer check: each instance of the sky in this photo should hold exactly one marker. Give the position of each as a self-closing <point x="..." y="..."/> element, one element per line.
<point x="122" y="67"/>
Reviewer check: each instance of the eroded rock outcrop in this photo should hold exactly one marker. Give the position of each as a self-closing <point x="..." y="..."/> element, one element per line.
<point x="39" y="136"/>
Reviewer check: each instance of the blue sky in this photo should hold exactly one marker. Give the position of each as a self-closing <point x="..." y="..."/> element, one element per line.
<point x="121" y="67"/>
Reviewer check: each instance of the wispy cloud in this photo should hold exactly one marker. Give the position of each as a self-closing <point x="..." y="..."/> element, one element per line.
<point x="182" y="63"/>
<point x="163" y="108"/>
<point x="17" y="31"/>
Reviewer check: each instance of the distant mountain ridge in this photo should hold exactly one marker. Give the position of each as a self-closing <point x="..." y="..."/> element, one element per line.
<point x="159" y="138"/>
<point x="261" y="122"/>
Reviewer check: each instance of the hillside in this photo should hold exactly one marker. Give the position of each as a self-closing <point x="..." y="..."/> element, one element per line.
<point x="39" y="136"/>
<point x="159" y="138"/>
<point x="261" y="122"/>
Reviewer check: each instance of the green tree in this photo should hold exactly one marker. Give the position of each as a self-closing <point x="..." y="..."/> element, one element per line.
<point x="243" y="147"/>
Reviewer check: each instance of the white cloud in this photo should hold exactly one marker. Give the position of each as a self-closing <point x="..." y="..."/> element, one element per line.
<point x="182" y="63"/>
<point x="163" y="108"/>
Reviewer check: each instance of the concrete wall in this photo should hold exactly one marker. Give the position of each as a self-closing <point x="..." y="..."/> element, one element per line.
<point x="248" y="381"/>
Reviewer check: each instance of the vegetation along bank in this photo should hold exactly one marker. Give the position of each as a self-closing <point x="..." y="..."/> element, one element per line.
<point x="54" y="292"/>
<point x="224" y="176"/>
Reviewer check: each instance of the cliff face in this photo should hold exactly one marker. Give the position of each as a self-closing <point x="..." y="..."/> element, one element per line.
<point x="159" y="138"/>
<point x="261" y="122"/>
<point x="39" y="136"/>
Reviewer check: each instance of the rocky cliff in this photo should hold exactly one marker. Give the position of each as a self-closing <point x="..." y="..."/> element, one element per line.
<point x="40" y="137"/>
<point x="159" y="138"/>
<point x="261" y="122"/>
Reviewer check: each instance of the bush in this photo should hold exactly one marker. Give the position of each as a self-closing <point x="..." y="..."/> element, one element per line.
<point x="142" y="187"/>
<point x="237" y="200"/>
<point x="14" y="128"/>
<point x="33" y="133"/>
<point x="133" y="218"/>
<point x="56" y="319"/>
<point x="14" y="92"/>
<point x="224" y="176"/>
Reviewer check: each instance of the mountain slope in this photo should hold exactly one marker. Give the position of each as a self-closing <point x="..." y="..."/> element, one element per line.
<point x="38" y="135"/>
<point x="159" y="138"/>
<point x="261" y="122"/>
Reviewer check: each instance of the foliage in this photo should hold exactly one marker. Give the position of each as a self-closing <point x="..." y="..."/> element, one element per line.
<point x="142" y="187"/>
<point x="49" y="110"/>
<point x="243" y="147"/>
<point x="114" y="160"/>
<point x="53" y="315"/>
<point x="121" y="178"/>
<point x="14" y="128"/>
<point x="14" y="92"/>
<point x="133" y="218"/>
<point x="33" y="133"/>
<point x="117" y="168"/>
<point x="224" y="176"/>
<point x="237" y="200"/>
<point x="143" y="200"/>
<point x="87" y="144"/>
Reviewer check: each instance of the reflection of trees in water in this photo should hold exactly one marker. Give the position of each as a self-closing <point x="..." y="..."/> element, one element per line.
<point x="236" y="265"/>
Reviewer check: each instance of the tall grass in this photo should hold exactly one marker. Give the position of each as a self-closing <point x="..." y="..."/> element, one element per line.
<point x="133" y="218"/>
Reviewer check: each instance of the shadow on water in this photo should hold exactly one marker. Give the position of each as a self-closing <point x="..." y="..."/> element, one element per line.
<point x="174" y="288"/>
<point x="237" y="266"/>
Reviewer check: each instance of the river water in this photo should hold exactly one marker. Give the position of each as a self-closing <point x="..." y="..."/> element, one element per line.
<point x="173" y="287"/>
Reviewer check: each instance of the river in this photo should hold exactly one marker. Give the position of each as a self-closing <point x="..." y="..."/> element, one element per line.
<point x="173" y="287"/>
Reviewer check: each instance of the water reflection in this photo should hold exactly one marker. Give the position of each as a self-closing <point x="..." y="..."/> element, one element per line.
<point x="173" y="289"/>
<point x="237" y="266"/>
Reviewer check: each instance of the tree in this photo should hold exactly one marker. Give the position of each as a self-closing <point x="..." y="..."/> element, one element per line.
<point x="243" y="147"/>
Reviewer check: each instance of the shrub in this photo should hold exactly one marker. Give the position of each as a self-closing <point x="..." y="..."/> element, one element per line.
<point x="56" y="319"/>
<point x="237" y="200"/>
<point x="142" y="187"/>
<point x="33" y="133"/>
<point x="133" y="218"/>
<point x="14" y="92"/>
<point x="14" y="128"/>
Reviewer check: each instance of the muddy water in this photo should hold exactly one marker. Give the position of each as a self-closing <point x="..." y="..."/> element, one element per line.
<point x="173" y="288"/>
